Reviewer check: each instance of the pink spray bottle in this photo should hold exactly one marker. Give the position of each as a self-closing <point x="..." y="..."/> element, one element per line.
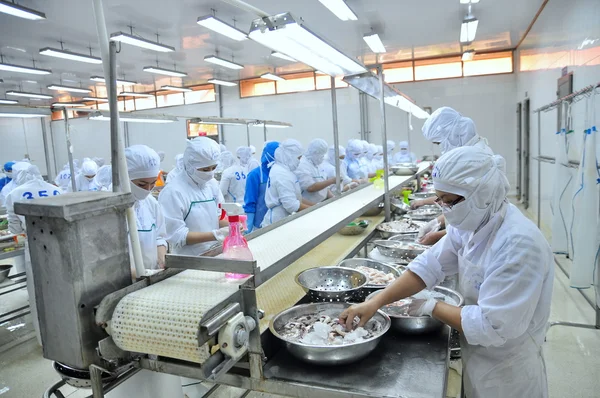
<point x="235" y="245"/>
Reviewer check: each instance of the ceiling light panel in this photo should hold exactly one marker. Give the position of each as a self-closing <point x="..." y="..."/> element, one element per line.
<point x="24" y="69"/>
<point x="222" y="82"/>
<point x="271" y="76"/>
<point x="134" y="94"/>
<point x="340" y="9"/>
<point x="161" y="71"/>
<point x="468" y="30"/>
<point x="62" y="104"/>
<point x="282" y="33"/>
<point x="100" y="79"/>
<point x="16" y="10"/>
<point x="216" y="25"/>
<point x="98" y="99"/>
<point x="277" y="54"/>
<point x="374" y="42"/>
<point x="58" y="87"/>
<point x="5" y="101"/>
<point x="54" y="52"/>
<point x="175" y="88"/>
<point x="223" y="62"/>
<point x="134" y="118"/>
<point x="140" y="42"/>
<point x="469" y="1"/>
<point x="28" y="95"/>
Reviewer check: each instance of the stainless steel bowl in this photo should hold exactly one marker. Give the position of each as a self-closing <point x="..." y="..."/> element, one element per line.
<point x="374" y="211"/>
<point x="398" y="206"/>
<point x="421" y="195"/>
<point x="328" y="354"/>
<point x="4" y="271"/>
<point x="388" y="234"/>
<point x="332" y="283"/>
<point x="404" y="169"/>
<point x="390" y="248"/>
<point x="78" y="378"/>
<point x="354" y="263"/>
<point x="419" y="324"/>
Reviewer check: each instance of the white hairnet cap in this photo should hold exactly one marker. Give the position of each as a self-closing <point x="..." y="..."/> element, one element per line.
<point x="354" y="149"/>
<point x="99" y="161"/>
<point x="222" y="147"/>
<point x="468" y="171"/>
<point x="316" y="150"/>
<point x="142" y="162"/>
<point x="331" y="153"/>
<point x="201" y="152"/>
<point x="391" y="145"/>
<point x="89" y="167"/>
<point x="27" y="172"/>
<point x="253" y="149"/>
<point x="179" y="161"/>
<point x="449" y="128"/>
<point x="244" y="153"/>
<point x="379" y="150"/>
<point x="227" y="159"/>
<point x="161" y="155"/>
<point x="403" y="144"/>
<point x="372" y="151"/>
<point x="288" y="151"/>
<point x="104" y="176"/>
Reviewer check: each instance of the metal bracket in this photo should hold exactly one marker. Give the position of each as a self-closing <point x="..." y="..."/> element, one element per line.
<point x="213" y="264"/>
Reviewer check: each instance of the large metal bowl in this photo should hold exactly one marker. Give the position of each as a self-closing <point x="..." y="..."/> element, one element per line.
<point x="404" y="169"/>
<point x="333" y="284"/>
<point x="388" y="234"/>
<point x="354" y="263"/>
<point x="374" y="211"/>
<point x="4" y="271"/>
<point x="78" y="378"/>
<point x="390" y="248"/>
<point x="327" y="354"/>
<point x="422" y="195"/>
<point x="419" y="324"/>
<point x="398" y="206"/>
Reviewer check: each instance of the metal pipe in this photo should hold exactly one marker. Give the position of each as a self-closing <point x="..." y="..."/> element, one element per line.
<point x="539" y="187"/>
<point x="248" y="134"/>
<point x="220" y="127"/>
<point x="53" y="148"/>
<point x="111" y="84"/>
<point x="246" y="7"/>
<point x="386" y="172"/>
<point x="96" y="381"/>
<point x="46" y="150"/>
<point x="126" y="129"/>
<point x="122" y="164"/>
<point x="265" y="131"/>
<point x="336" y="138"/>
<point x="69" y="152"/>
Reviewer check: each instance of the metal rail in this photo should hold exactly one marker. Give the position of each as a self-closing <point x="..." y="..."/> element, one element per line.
<point x="569" y="97"/>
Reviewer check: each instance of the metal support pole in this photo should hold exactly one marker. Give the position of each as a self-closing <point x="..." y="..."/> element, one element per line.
<point x="126" y="131"/>
<point x="386" y="172"/>
<point x="265" y="131"/>
<point x="220" y="104"/>
<point x="114" y="115"/>
<point x="248" y="134"/>
<point x="336" y="139"/>
<point x="96" y="381"/>
<point x="53" y="148"/>
<point x="69" y="152"/>
<point x="49" y="173"/>
<point x="539" y="185"/>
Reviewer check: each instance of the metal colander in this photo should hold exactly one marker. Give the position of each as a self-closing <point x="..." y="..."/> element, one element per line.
<point x="332" y="284"/>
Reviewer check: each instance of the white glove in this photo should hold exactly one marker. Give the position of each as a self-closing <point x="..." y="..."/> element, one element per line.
<point x="221" y="234"/>
<point x="421" y="307"/>
<point x="415" y="204"/>
<point x="431" y="226"/>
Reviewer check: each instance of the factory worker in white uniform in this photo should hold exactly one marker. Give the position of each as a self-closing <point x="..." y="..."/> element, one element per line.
<point x="328" y="170"/>
<point x="314" y="185"/>
<point x="191" y="200"/>
<point x="404" y="155"/>
<point x="103" y="179"/>
<point x="8" y="188"/>
<point x="29" y="185"/>
<point x="354" y="152"/>
<point x="253" y="162"/>
<point x="84" y="180"/>
<point x="391" y="145"/>
<point x="378" y="158"/>
<point x="177" y="170"/>
<point x="143" y="165"/>
<point x="283" y="195"/>
<point x="505" y="271"/>
<point x="372" y="163"/>
<point x="233" y="180"/>
<point x="63" y="179"/>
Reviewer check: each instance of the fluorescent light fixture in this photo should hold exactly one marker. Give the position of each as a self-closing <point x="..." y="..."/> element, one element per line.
<point x="271" y="76"/>
<point x="100" y="79"/>
<point x="16" y="10"/>
<point x="222" y="82"/>
<point x="104" y="116"/>
<point x="98" y="99"/>
<point x="277" y="54"/>
<point x="175" y="88"/>
<point x="139" y="42"/>
<point x="62" y="104"/>
<point x="28" y="95"/>
<point x="54" y="52"/>
<point x="340" y="9"/>
<point x="282" y="33"/>
<point x="24" y="69"/>
<point x="222" y="62"/>
<point x="468" y="29"/>
<point x="58" y="87"/>
<point x="216" y="25"/>
<point x="162" y="71"/>
<point x="222" y="121"/>
<point x="369" y="84"/>
<point x="469" y="1"/>
<point x="271" y="124"/>
<point x="134" y="94"/>
<point x="374" y="42"/>
<point x="23" y="111"/>
<point x="468" y="55"/>
<point x="5" y="101"/>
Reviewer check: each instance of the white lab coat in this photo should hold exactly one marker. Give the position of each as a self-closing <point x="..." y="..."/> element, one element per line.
<point x="189" y="207"/>
<point x="233" y="183"/>
<point x="505" y="272"/>
<point x="283" y="195"/>
<point x="356" y="171"/>
<point x="83" y="184"/>
<point x="6" y="190"/>
<point x="252" y="164"/>
<point x="309" y="174"/>
<point x="328" y="171"/>
<point x="405" y="158"/>
<point x="151" y="228"/>
<point x="63" y="179"/>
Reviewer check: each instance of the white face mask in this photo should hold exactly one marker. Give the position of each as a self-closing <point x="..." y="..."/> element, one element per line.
<point x="202" y="177"/>
<point x="294" y="164"/>
<point x="465" y="216"/>
<point x="137" y="192"/>
<point x="9" y="174"/>
<point x="90" y="179"/>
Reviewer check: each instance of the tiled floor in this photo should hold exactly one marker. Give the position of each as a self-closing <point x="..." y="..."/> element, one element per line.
<point x="572" y="357"/>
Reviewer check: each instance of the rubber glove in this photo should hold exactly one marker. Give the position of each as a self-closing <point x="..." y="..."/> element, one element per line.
<point x="250" y="222"/>
<point x="221" y="234"/>
<point x="431" y="226"/>
<point x="415" y="204"/>
<point x="421" y="307"/>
